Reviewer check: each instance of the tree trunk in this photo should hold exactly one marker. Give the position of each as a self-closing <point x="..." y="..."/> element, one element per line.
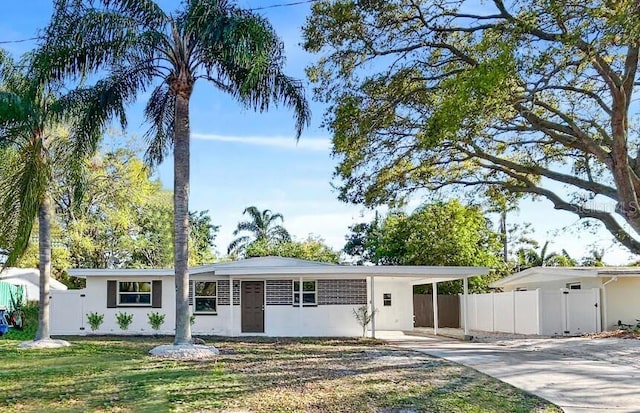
<point x="503" y="235"/>
<point x="44" y="241"/>
<point x="181" y="218"/>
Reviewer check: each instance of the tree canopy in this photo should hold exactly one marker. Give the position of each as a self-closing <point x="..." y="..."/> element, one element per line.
<point x="443" y="233"/>
<point x="262" y="227"/>
<point x="122" y="219"/>
<point x="313" y="249"/>
<point x="530" y="97"/>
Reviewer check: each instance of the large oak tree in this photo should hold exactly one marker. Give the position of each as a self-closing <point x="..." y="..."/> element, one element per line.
<point x="533" y="97"/>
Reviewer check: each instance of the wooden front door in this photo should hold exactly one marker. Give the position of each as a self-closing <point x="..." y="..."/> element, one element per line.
<point x="252" y="299"/>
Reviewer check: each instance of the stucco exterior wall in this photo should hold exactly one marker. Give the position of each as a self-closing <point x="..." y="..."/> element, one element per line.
<point x="335" y="318"/>
<point x="398" y="316"/>
<point x="623" y="301"/>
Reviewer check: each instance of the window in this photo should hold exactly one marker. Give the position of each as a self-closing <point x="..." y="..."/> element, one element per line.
<point x="574" y="286"/>
<point x="205" y="297"/>
<point x="386" y="299"/>
<point x="309" y="293"/>
<point x="134" y="293"/>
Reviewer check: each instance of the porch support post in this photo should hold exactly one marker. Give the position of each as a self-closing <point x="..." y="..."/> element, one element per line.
<point x="231" y="329"/>
<point x="435" y="308"/>
<point x="373" y="308"/>
<point x="465" y="302"/>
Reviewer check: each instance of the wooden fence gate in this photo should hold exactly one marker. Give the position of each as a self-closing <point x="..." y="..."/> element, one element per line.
<point x="448" y="310"/>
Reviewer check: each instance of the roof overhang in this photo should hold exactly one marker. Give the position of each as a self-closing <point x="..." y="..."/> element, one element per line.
<point x="414" y="274"/>
<point x="547" y="274"/>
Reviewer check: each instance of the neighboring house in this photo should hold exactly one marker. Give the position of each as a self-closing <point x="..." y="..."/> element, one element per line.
<point x="29" y="279"/>
<point x="257" y="296"/>
<point x="559" y="301"/>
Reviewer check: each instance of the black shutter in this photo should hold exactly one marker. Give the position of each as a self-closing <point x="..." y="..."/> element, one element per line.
<point x="112" y="294"/>
<point x="156" y="294"/>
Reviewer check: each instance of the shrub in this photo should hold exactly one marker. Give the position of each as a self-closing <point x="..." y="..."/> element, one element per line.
<point x="364" y="317"/>
<point x="156" y="320"/>
<point x="95" y="320"/>
<point x="192" y="319"/>
<point x="124" y="320"/>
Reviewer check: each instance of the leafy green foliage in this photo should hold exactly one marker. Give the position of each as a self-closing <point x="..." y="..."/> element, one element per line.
<point x="262" y="228"/>
<point x="123" y="218"/>
<point x="530" y="257"/>
<point x="313" y="249"/>
<point x="124" y="320"/>
<point x="443" y="233"/>
<point x="95" y="320"/>
<point x="142" y="48"/>
<point x="516" y="98"/>
<point x="156" y="320"/>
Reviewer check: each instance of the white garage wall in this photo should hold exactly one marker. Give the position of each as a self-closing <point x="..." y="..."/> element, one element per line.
<point x="398" y="316"/>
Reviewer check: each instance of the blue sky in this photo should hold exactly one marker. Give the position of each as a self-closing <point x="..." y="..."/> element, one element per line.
<point x="239" y="158"/>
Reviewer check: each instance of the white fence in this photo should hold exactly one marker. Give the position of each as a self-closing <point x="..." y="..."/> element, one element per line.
<point x="67" y="312"/>
<point x="560" y="312"/>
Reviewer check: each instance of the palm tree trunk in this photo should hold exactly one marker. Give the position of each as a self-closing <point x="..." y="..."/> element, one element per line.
<point x="181" y="219"/>
<point x="503" y="235"/>
<point x="44" y="241"/>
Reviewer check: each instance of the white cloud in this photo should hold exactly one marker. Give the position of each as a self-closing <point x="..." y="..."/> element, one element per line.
<point x="309" y="144"/>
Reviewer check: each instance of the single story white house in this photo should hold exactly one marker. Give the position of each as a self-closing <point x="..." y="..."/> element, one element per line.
<point x="559" y="301"/>
<point x="29" y="279"/>
<point x="258" y="296"/>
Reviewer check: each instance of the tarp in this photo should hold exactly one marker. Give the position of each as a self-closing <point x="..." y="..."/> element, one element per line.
<point x="6" y="290"/>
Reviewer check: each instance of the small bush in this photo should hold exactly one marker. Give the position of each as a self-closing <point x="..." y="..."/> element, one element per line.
<point x="364" y="317"/>
<point x="95" y="320"/>
<point x="124" y="320"/>
<point x="156" y="320"/>
<point x="192" y="319"/>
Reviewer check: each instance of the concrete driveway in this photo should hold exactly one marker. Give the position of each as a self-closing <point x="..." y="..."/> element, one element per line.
<point x="573" y="381"/>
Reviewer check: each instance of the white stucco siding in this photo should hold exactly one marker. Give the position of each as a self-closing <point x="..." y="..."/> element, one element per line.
<point x="320" y="321"/>
<point x="96" y="301"/>
<point x="398" y="316"/>
<point x="623" y="301"/>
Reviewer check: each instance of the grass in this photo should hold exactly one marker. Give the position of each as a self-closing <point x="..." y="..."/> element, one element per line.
<point x="116" y="375"/>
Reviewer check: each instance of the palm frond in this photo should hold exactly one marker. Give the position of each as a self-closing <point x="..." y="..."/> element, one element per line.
<point x="248" y="226"/>
<point x="23" y="183"/>
<point x="241" y="51"/>
<point x="238" y="244"/>
<point x="82" y="39"/>
<point x="160" y="113"/>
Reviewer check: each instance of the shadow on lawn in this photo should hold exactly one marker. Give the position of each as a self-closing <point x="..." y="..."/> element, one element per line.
<point x="313" y="375"/>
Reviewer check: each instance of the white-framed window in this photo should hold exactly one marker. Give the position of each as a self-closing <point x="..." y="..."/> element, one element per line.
<point x="134" y="293"/>
<point x="205" y="297"/>
<point x="386" y="299"/>
<point x="574" y="286"/>
<point x="309" y="293"/>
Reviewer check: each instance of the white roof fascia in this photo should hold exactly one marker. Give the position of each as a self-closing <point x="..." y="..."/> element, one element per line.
<point x="550" y="273"/>
<point x="418" y="272"/>
<point x="119" y="272"/>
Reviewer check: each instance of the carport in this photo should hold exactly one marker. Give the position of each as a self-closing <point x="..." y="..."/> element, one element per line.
<point x="419" y="275"/>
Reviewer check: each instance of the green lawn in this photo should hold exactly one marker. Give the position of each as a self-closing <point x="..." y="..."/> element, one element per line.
<point x="117" y="375"/>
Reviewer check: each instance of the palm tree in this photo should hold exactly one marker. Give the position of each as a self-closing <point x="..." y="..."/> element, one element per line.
<point x="142" y="47"/>
<point x="33" y="141"/>
<point x="262" y="227"/>
<point x="528" y="258"/>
